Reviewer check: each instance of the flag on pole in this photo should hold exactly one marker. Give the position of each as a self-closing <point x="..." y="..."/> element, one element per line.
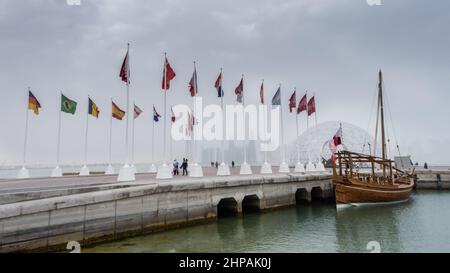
<point x="276" y="100"/>
<point x="239" y="91"/>
<point x="173" y="115"/>
<point x="302" y="105"/>
<point x="168" y="75"/>
<point x="218" y="86"/>
<point x="137" y="111"/>
<point x="33" y="103"/>
<point x="311" y="106"/>
<point x="125" y="69"/>
<point x="156" y="116"/>
<point x="261" y="93"/>
<point x="292" y="102"/>
<point x="67" y="105"/>
<point x="337" y="138"/>
<point x="117" y="113"/>
<point x="93" y="109"/>
<point x="193" y="84"/>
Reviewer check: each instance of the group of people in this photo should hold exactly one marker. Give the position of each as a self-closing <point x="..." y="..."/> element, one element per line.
<point x="184" y="167"/>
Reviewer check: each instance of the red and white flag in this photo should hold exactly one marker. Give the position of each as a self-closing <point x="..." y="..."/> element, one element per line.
<point x="125" y="70"/>
<point x="292" y="102"/>
<point x="137" y="111"/>
<point x="168" y="75"/>
<point x="193" y="84"/>
<point x="302" y="105"/>
<point x="239" y="91"/>
<point x="337" y="138"/>
<point x="311" y="106"/>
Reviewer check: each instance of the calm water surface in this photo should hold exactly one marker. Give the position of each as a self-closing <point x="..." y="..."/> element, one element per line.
<point x="420" y="225"/>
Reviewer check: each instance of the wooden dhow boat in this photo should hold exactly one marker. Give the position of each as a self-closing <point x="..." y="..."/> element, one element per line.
<point x="361" y="179"/>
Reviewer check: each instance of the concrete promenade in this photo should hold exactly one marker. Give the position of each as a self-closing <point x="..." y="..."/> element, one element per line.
<point x="45" y="214"/>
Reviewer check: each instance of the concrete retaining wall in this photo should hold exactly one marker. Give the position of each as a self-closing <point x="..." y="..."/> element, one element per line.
<point x="49" y="224"/>
<point x="434" y="180"/>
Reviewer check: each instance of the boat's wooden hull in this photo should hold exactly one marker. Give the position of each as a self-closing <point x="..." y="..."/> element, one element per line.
<point x="349" y="193"/>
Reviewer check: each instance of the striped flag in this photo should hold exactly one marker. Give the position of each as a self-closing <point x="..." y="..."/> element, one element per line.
<point x="33" y="103"/>
<point x="137" y="111"/>
<point x="117" y="113"/>
<point x="93" y="109"/>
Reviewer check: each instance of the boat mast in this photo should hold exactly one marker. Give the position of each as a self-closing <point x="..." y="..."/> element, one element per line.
<point x="380" y="101"/>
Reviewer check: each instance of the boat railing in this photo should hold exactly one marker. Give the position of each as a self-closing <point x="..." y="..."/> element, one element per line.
<point x="368" y="169"/>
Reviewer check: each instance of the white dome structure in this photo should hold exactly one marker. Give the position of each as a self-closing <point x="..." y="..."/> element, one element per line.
<point x="312" y="143"/>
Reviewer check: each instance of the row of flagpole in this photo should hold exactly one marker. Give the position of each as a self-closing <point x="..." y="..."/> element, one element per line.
<point x="127" y="172"/>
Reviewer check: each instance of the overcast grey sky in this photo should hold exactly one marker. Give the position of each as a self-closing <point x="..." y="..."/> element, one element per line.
<point x="333" y="48"/>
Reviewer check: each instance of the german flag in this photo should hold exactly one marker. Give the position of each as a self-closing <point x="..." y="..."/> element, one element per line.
<point x="93" y="109"/>
<point x="117" y="113"/>
<point x="33" y="103"/>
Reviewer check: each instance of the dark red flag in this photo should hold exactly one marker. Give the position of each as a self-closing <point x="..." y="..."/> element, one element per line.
<point x="337" y="138"/>
<point x="292" y="102"/>
<point x="125" y="70"/>
<point x="311" y="107"/>
<point x="168" y="75"/>
<point x="302" y="105"/>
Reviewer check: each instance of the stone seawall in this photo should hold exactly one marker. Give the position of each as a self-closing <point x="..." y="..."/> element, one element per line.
<point x="432" y="179"/>
<point x="49" y="224"/>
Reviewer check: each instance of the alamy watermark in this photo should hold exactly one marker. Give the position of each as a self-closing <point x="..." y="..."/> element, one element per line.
<point x="233" y="122"/>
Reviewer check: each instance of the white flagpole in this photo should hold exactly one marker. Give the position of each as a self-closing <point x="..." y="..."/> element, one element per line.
<point x="245" y="135"/>
<point x="110" y="134"/>
<point x="307" y="114"/>
<point x="265" y="124"/>
<point x="315" y="108"/>
<point x="282" y="128"/>
<point x="128" y="108"/>
<point x="165" y="102"/>
<point x="296" y="125"/>
<point x="59" y="134"/>
<point x="171" y="140"/>
<point x="126" y="173"/>
<point x="86" y="135"/>
<point x="221" y="105"/>
<point x="132" y="137"/>
<point x="57" y="172"/>
<point x="153" y="137"/>
<point x="26" y="132"/>
<point x="194" y="114"/>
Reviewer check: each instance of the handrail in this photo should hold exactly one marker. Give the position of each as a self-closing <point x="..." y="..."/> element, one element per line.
<point x="347" y="159"/>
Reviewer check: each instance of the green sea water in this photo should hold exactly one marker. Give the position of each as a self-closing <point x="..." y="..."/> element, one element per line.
<point x="420" y="225"/>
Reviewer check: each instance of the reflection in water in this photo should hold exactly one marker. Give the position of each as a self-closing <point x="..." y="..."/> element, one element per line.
<point x="420" y="225"/>
<point x="357" y="225"/>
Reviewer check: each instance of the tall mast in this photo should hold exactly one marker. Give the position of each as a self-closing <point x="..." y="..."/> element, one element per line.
<point x="380" y="100"/>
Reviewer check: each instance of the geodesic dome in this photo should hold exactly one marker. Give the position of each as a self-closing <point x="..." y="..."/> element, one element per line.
<point x="313" y="143"/>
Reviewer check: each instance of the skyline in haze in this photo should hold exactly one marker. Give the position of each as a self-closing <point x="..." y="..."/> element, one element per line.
<point x="331" y="48"/>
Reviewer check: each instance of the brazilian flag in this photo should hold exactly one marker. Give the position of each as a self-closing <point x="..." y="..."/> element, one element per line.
<point x="67" y="105"/>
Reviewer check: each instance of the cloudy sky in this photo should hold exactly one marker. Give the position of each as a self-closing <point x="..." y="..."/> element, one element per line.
<point x="333" y="48"/>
